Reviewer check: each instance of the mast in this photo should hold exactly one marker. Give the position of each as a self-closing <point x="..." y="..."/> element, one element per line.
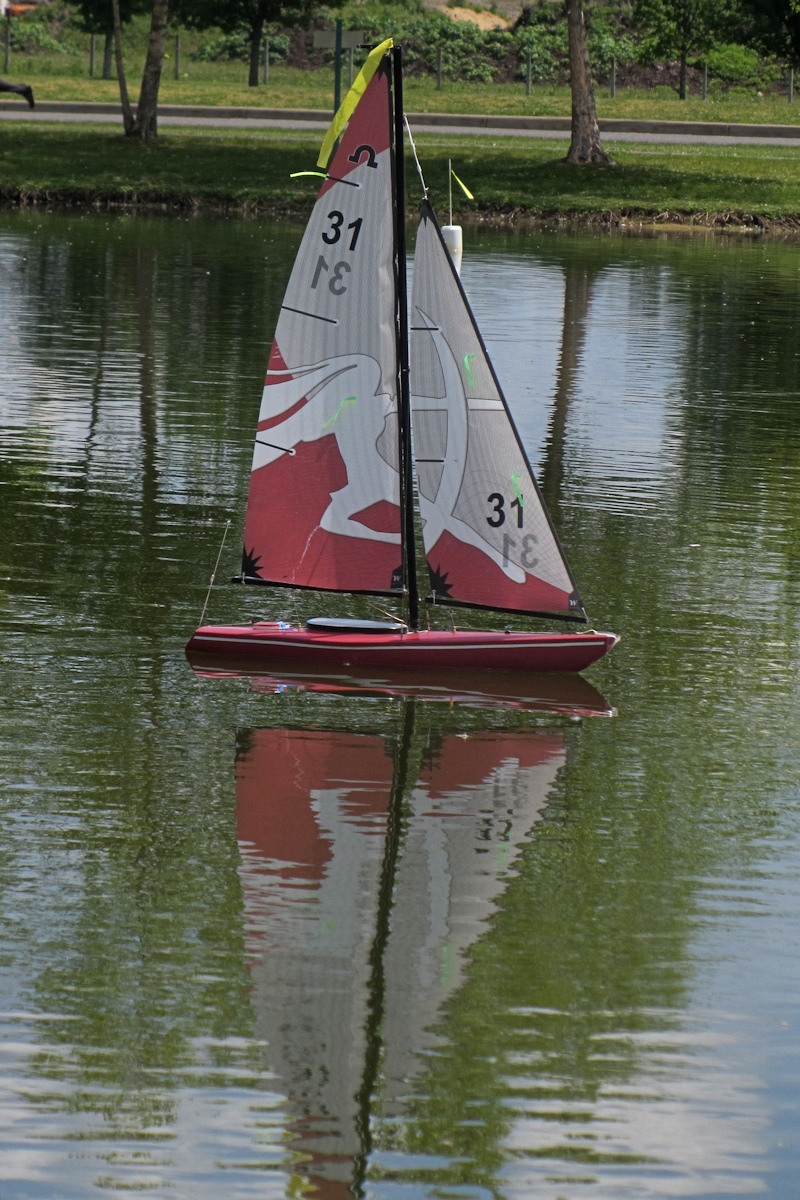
<point x="403" y="392"/>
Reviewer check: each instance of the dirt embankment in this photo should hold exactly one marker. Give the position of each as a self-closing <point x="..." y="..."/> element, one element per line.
<point x="624" y="220"/>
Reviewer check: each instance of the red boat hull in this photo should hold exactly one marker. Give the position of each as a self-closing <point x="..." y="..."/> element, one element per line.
<point x="270" y="642"/>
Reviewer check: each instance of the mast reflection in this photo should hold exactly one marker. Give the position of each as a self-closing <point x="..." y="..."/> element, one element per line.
<point x="370" y="864"/>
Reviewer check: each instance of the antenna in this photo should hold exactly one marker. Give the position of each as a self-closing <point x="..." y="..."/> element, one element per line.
<point x="452" y="234"/>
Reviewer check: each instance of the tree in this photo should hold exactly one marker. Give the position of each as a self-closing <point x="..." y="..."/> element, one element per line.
<point x="151" y="76"/>
<point x="97" y="16"/>
<point x="679" y="28"/>
<point x="772" y="26"/>
<point x="143" y="125"/>
<point x="585" y="144"/>
<point x="252" y="15"/>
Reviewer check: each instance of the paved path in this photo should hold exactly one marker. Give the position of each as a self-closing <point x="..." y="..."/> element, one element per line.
<point x="684" y="132"/>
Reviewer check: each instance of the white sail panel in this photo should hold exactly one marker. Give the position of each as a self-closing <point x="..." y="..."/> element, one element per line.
<point x="488" y="538"/>
<point x="324" y="503"/>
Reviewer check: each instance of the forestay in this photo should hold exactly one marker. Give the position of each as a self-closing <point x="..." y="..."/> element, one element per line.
<point x="488" y="537"/>
<point x="324" y="502"/>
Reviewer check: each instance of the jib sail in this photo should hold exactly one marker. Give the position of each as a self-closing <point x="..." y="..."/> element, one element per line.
<point x="488" y="537"/>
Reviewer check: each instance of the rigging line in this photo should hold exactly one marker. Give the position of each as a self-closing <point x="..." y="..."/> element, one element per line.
<point x="416" y="158"/>
<point x="392" y="616"/>
<point x="214" y="572"/>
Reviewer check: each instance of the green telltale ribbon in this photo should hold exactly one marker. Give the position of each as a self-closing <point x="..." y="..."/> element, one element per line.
<point x="343" y="404"/>
<point x="468" y="361"/>
<point x="297" y="174"/>
<point x="462" y="185"/>
<point x="515" y="478"/>
<point x="348" y="105"/>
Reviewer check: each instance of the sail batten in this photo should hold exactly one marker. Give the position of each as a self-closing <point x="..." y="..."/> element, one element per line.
<point x="324" y="502"/>
<point x="488" y="538"/>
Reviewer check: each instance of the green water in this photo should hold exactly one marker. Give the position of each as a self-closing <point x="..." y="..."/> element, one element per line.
<point x="259" y="942"/>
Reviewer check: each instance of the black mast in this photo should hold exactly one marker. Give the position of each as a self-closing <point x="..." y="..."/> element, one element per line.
<point x="403" y="397"/>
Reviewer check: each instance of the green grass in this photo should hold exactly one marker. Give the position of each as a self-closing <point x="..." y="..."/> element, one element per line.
<point x="251" y="169"/>
<point x="226" y="84"/>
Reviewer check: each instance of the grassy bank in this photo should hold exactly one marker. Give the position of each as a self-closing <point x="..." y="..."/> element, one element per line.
<point x="250" y="171"/>
<point x="226" y="84"/>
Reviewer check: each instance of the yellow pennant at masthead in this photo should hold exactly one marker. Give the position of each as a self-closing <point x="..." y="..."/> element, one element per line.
<point x="348" y="105"/>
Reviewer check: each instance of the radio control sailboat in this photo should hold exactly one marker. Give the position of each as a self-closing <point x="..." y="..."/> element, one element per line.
<point x="332" y="504"/>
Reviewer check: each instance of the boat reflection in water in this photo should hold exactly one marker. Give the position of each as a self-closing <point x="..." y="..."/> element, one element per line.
<point x="370" y="863"/>
<point x="571" y="695"/>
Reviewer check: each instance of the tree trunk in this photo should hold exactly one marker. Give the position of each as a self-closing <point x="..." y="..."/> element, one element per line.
<point x="108" y="54"/>
<point x="585" y="145"/>
<point x="127" y="113"/>
<point x="256" y="31"/>
<point x="146" y="114"/>
<point x="682" y="80"/>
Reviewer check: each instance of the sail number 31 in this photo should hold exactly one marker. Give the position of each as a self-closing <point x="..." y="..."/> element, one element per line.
<point x="337" y="284"/>
<point x="498" y="518"/>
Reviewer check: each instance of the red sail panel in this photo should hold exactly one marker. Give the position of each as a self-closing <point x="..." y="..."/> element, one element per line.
<point x="324" y="503"/>
<point x="487" y="534"/>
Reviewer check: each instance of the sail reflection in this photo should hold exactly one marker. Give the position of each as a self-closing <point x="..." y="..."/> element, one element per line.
<point x="370" y="865"/>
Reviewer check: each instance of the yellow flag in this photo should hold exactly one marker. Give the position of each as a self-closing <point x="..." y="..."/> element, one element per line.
<point x="348" y="105"/>
<point x="463" y="186"/>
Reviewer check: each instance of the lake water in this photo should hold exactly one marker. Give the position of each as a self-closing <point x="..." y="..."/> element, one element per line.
<point x="260" y="942"/>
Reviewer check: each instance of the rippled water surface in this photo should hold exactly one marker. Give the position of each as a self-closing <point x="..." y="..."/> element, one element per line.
<point x="274" y="943"/>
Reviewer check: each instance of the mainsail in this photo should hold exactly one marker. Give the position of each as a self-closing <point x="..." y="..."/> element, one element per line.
<point x="324" y="503"/>
<point x="488" y="537"/>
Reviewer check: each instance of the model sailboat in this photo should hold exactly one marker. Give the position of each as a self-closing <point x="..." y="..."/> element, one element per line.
<point x="332" y="502"/>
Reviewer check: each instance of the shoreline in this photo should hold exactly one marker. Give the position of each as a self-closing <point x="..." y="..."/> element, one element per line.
<point x="234" y="173"/>
<point x="625" y="220"/>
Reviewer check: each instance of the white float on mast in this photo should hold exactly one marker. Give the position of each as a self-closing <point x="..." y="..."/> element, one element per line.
<point x="452" y="233"/>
